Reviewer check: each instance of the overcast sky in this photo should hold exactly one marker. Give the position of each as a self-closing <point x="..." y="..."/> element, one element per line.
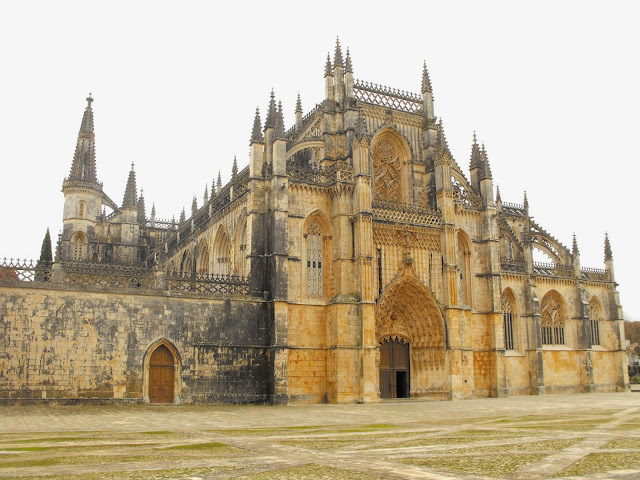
<point x="551" y="88"/>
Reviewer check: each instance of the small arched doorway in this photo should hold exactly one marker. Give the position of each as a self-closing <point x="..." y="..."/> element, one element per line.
<point x="394" y="368"/>
<point x="161" y="371"/>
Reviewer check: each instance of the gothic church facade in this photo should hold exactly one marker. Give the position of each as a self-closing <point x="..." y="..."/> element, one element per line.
<point x="352" y="259"/>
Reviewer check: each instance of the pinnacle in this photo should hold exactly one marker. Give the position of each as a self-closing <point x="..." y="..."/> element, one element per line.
<point x="271" y="113"/>
<point x="608" y="255"/>
<point x="476" y="157"/>
<point x="234" y="168"/>
<point x="498" y="197"/>
<point x="337" y="58"/>
<point x="298" y="104"/>
<point x="348" y="67"/>
<point x="327" y="66"/>
<point x="526" y="201"/>
<point x="83" y="166"/>
<point x="484" y="164"/>
<point x="219" y="183"/>
<point x="256" y="133"/>
<point x="130" y="192"/>
<point x="280" y="123"/>
<point x="361" y="126"/>
<point x="194" y="206"/>
<point x="574" y="248"/>
<point x="206" y="194"/>
<point x="426" y="81"/>
<point x="142" y="214"/>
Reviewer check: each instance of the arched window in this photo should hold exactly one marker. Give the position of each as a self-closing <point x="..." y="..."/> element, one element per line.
<point x="552" y="321"/>
<point x="78" y="247"/>
<point x="186" y="265"/>
<point x="507" y="317"/>
<point x="81" y="209"/>
<point x="464" y="271"/>
<point x="202" y="262"/>
<point x="314" y="260"/>
<point x="222" y="253"/>
<point x="594" y="320"/>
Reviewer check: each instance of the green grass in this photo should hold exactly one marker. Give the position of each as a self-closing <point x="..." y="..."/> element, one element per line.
<point x="492" y="465"/>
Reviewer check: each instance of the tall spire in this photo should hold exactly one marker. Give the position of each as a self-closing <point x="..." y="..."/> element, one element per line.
<point x="142" y="212"/>
<point x="234" y="169"/>
<point x="256" y="133"/>
<point x="337" y="58"/>
<point x="348" y="68"/>
<point x="271" y="114"/>
<point x="442" y="139"/>
<point x="280" y="123"/>
<point x="574" y="247"/>
<point x="327" y="66"/>
<point x="475" y="153"/>
<point x="298" y="104"/>
<point x="130" y="192"/>
<point x="485" y="168"/>
<point x="219" y="184"/>
<point x="83" y="166"/>
<point x="608" y="256"/>
<point x="426" y="81"/>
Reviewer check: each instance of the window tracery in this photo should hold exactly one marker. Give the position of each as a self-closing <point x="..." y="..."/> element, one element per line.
<point x="386" y="168"/>
<point x="314" y="260"/>
<point x="594" y="320"/>
<point x="78" y="250"/>
<point x="552" y="321"/>
<point x="507" y="316"/>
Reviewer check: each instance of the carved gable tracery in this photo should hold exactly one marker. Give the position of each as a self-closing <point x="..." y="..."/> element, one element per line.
<point x="386" y="171"/>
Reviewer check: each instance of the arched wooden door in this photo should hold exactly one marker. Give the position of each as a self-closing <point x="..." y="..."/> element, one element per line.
<point x="161" y="368"/>
<point x="394" y="368"/>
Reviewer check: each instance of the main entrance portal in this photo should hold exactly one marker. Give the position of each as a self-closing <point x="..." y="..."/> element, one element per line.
<point x="161" y="369"/>
<point x="394" y="368"/>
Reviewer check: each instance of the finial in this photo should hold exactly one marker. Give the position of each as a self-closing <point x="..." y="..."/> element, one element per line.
<point x="130" y="192"/>
<point x="205" y="198"/>
<point x="153" y="209"/>
<point x="526" y="202"/>
<point x="327" y="66"/>
<point x="89" y="100"/>
<point x="608" y="255"/>
<point x="280" y="123"/>
<point x="484" y="164"/>
<point x="298" y="104"/>
<point x="476" y="157"/>
<point x="475" y="139"/>
<point x="498" y="197"/>
<point x="256" y="133"/>
<point x="426" y="81"/>
<point x="574" y="247"/>
<point x="234" y="168"/>
<point x="348" y="68"/>
<point x="219" y="185"/>
<point x="271" y="114"/>
<point x="337" y="59"/>
<point x="194" y="206"/>
<point x="361" y="125"/>
<point x="183" y="216"/>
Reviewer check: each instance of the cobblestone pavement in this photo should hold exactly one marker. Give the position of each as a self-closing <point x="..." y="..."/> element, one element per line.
<point x="586" y="436"/>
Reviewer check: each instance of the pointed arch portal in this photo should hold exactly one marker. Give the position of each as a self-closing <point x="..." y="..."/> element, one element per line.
<point x="161" y="372"/>
<point x="411" y="335"/>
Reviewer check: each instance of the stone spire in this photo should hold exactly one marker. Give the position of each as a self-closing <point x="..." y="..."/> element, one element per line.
<point x="219" y="184"/>
<point x="298" y="104"/>
<point x="337" y="58"/>
<point x="361" y="126"/>
<point x="280" y="123"/>
<point x="130" y="192"/>
<point x="608" y="256"/>
<point x="475" y="153"/>
<point x="183" y="217"/>
<point x="205" y="198"/>
<point x="526" y="204"/>
<point x="271" y="114"/>
<point x="142" y="214"/>
<point x="213" y="188"/>
<point x="83" y="166"/>
<point x="194" y="206"/>
<point x="348" y="68"/>
<point x="426" y="81"/>
<point x="153" y="214"/>
<point x="327" y="66"/>
<point x="485" y="168"/>
<point x="574" y="248"/>
<point x="498" y="197"/>
<point x="442" y="139"/>
<point x="256" y="133"/>
<point x="234" y="169"/>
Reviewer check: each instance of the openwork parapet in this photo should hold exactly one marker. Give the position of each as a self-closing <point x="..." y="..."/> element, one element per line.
<point x="594" y="274"/>
<point x="404" y="213"/>
<point x="105" y="275"/>
<point x="17" y="270"/>
<point x="512" y="265"/>
<point x="319" y="175"/>
<point x="552" y="270"/>
<point x="387" y="97"/>
<point x="202" y="283"/>
<point x="513" y="208"/>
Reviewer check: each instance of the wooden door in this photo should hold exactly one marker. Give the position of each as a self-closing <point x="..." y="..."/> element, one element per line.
<point x="161" y="369"/>
<point x="394" y="368"/>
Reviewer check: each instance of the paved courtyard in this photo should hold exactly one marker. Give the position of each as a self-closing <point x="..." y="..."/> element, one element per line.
<point x="588" y="436"/>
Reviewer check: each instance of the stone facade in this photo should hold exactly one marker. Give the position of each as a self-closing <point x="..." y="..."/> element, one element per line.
<point x="352" y="259"/>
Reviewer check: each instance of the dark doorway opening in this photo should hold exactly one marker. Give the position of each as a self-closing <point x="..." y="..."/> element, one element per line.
<point x="394" y="368"/>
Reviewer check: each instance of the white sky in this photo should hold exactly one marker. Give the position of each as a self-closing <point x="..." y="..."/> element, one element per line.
<point x="550" y="87"/>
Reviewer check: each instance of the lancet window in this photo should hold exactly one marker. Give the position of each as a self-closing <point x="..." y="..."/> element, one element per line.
<point x="552" y="321"/>
<point x="78" y="247"/>
<point x="314" y="260"/>
<point x="507" y="316"/>
<point x="464" y="271"/>
<point x="594" y="320"/>
<point x="386" y="168"/>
